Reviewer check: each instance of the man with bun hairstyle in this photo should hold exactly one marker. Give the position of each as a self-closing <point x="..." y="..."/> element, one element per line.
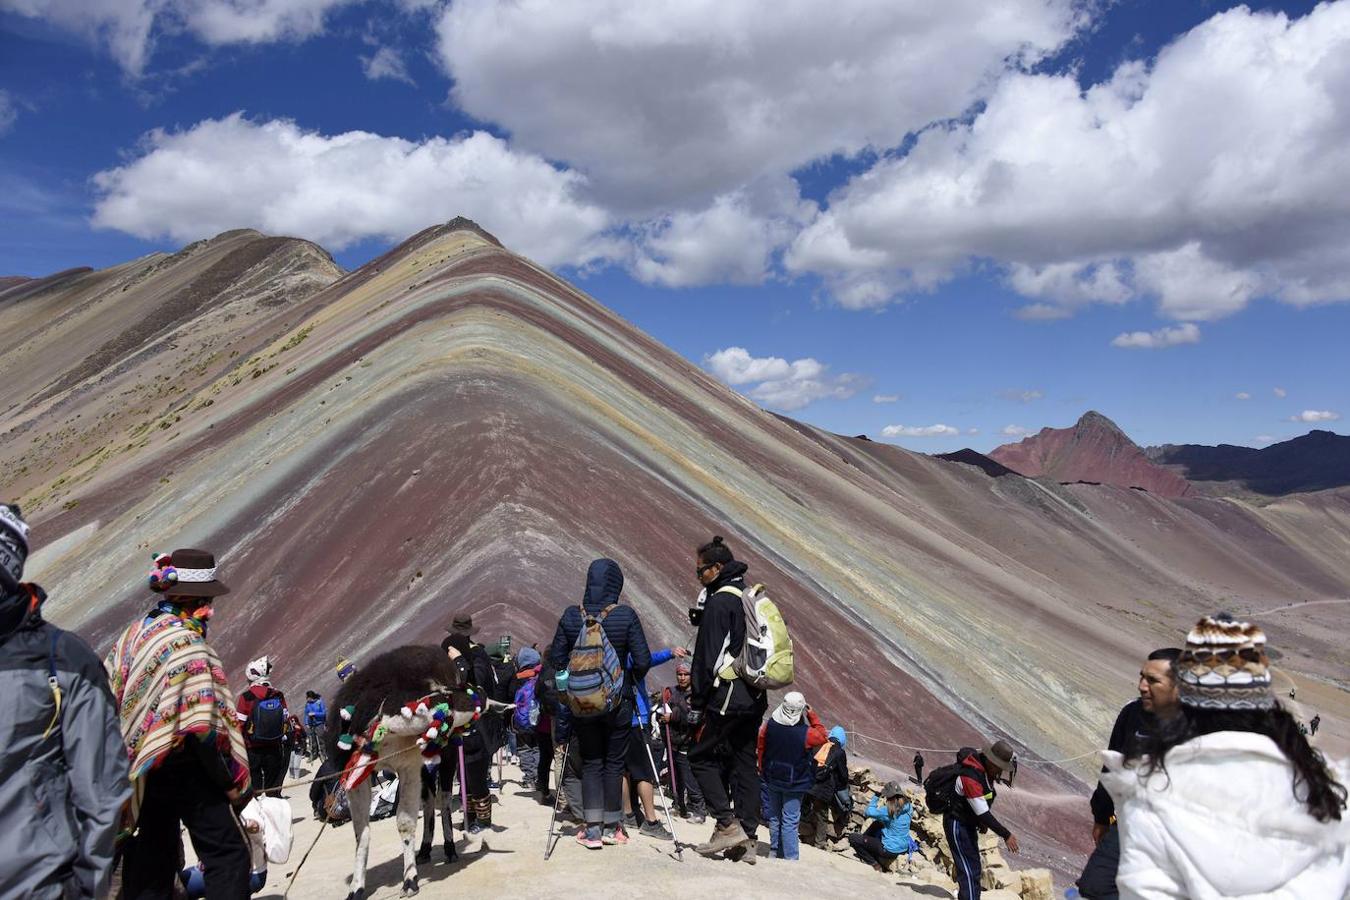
<point x="728" y="710"/>
<point x="62" y="746"/>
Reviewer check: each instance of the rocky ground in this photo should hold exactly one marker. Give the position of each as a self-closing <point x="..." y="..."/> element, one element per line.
<point x="509" y="861"/>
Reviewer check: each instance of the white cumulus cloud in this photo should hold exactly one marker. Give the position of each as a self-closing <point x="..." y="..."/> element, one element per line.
<point x="779" y="383"/>
<point x="386" y="62"/>
<point x="338" y="189"/>
<point x="1315" y="415"/>
<point x="1018" y="395"/>
<point x="1171" y="336"/>
<point x="885" y="398"/>
<point x="938" y="430"/>
<point x="127" y="28"/>
<point x="1242" y="395"/>
<point x="1014" y="431"/>
<point x="1206" y="177"/>
<point x="1279" y="392"/>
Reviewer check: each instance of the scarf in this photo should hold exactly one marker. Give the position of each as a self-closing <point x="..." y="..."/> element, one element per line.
<point x="168" y="684"/>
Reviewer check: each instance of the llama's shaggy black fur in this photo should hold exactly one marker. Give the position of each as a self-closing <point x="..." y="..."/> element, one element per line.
<point x="383" y="685"/>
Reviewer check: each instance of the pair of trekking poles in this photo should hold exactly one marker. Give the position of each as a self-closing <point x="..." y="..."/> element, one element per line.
<point x="559" y="795"/>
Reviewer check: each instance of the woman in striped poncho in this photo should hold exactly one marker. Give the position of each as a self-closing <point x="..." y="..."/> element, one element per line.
<point x="188" y="762"/>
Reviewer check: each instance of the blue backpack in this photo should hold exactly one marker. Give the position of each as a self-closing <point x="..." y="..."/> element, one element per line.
<point x="267" y="721"/>
<point x="526" y="716"/>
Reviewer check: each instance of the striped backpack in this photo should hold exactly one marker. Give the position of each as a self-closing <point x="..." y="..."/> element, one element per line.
<point x="594" y="670"/>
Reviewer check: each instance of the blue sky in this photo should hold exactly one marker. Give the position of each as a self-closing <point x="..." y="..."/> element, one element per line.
<point x="991" y="223"/>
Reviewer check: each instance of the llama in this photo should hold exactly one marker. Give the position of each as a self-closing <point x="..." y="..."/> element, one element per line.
<point x="375" y="697"/>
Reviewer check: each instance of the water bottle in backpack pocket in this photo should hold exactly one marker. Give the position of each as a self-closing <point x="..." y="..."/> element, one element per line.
<point x="594" y="670"/>
<point x="526" y="715"/>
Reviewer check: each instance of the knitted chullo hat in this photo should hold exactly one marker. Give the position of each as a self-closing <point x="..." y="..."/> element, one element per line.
<point x="1224" y="666"/>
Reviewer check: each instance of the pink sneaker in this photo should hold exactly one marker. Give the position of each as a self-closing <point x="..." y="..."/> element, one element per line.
<point x="589" y="840"/>
<point x="615" y="836"/>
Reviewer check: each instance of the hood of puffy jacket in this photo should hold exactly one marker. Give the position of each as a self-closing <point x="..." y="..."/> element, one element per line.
<point x="18" y="610"/>
<point x="529" y="658"/>
<point x="1226" y="804"/>
<point x="839" y="736"/>
<point x="730" y="572"/>
<point x="604" y="583"/>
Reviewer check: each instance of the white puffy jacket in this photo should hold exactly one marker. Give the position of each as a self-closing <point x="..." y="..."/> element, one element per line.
<point x="1223" y="822"/>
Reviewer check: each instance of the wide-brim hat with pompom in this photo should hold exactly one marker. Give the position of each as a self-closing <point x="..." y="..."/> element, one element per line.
<point x="186" y="573"/>
<point x="1225" y="666"/>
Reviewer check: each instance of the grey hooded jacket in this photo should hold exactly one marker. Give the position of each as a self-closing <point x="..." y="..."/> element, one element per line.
<point x="61" y="795"/>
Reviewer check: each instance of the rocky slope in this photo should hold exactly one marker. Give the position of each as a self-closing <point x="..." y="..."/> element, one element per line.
<point x="451" y="427"/>
<point x="1094" y="451"/>
<point x="1316" y="461"/>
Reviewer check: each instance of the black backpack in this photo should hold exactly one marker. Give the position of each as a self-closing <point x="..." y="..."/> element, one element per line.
<point x="939" y="788"/>
<point x="267" y="720"/>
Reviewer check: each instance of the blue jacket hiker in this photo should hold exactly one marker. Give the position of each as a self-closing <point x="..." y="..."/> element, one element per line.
<point x="888" y="836"/>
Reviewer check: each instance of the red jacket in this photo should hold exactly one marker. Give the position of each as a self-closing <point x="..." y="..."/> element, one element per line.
<point x="244" y="706"/>
<point x="816" y="735"/>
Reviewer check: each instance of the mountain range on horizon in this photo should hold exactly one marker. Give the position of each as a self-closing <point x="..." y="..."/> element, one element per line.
<point x="452" y="427"/>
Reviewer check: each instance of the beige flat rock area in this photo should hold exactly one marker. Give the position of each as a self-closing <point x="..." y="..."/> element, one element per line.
<point x="510" y="863"/>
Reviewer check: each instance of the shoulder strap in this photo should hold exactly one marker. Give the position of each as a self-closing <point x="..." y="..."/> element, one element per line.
<point x="54" y="684"/>
<point x="606" y="611"/>
<point x="729" y="589"/>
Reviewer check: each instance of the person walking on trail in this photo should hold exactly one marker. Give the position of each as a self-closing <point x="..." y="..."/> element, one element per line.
<point x="1314" y="723"/>
<point x="479" y="744"/>
<point x="1158" y="703"/>
<point x="829" y="793"/>
<point x="688" y="795"/>
<point x="918" y="767"/>
<point x="316" y="720"/>
<point x="62" y="741"/>
<point x="265" y="719"/>
<point x="532" y="725"/>
<point x="603" y="738"/>
<point x="1229" y="801"/>
<point x="887" y="837"/>
<point x="639" y="771"/>
<point x="971" y="813"/>
<point x="786" y="745"/>
<point x="728" y="710"/>
<point x="181" y="730"/>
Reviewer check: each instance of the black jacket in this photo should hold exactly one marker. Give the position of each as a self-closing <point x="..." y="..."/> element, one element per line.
<point x="623" y="627"/>
<point x="722" y="628"/>
<point x="1133" y="727"/>
<point x="63" y="779"/>
<point x="833" y="776"/>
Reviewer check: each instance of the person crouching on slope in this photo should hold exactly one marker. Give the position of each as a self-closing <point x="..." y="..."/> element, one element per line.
<point x="61" y="741"/>
<point x="188" y="762"/>
<point x="888" y="836"/>
<point x="786" y="744"/>
<point x="971" y="813"/>
<point x="1229" y="800"/>
<point x="729" y="710"/>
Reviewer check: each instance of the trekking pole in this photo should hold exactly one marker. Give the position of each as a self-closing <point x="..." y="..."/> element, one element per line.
<point x="670" y="823"/>
<point x="670" y="751"/>
<point x="557" y="800"/>
<point x="463" y="789"/>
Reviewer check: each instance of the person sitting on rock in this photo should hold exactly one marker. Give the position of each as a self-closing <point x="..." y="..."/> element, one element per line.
<point x="887" y="837"/>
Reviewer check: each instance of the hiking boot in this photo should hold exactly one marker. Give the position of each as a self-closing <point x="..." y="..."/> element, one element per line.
<point x="750" y="851"/>
<point x="614" y="834"/>
<point x="589" y="837"/>
<point x="724" y="838"/>
<point x="656" y="830"/>
<point x="630" y="820"/>
<point x="697" y="818"/>
<point x="547" y="799"/>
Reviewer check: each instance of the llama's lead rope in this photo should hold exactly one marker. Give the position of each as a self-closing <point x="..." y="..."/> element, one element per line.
<point x="295" y="784"/>
<point x="327" y="820"/>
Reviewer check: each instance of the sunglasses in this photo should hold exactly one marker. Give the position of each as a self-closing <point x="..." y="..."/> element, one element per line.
<point x="703" y="568"/>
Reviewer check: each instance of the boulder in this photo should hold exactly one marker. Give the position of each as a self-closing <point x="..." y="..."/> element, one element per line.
<point x="999" y="895"/>
<point x="1037" y="884"/>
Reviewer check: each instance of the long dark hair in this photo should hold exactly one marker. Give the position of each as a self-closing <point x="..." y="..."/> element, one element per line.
<point x="1314" y="784"/>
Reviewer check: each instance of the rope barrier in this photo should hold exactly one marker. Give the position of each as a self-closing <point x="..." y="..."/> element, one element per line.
<point x="374" y="764"/>
<point x="1032" y="760"/>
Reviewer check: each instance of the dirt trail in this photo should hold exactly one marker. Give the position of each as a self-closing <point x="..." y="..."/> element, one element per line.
<point x="510" y="862"/>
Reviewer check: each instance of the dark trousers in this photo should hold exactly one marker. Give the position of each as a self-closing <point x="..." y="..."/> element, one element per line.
<point x="918" y="772"/>
<point x="180" y="791"/>
<point x="688" y="796"/>
<point x="267" y="767"/>
<point x="869" y="848"/>
<point x="604" y="752"/>
<point x="965" y="846"/>
<point x="544" y="771"/>
<point x="823" y="811"/>
<point x="1098" y="881"/>
<point x="725" y="751"/>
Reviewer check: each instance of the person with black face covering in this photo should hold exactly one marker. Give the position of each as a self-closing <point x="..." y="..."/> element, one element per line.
<point x="62" y="742"/>
<point x="728" y="710"/>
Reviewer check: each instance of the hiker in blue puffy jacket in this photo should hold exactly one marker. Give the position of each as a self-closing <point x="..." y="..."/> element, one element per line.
<point x="888" y="836"/>
<point x="316" y="718"/>
<point x="604" y="738"/>
<point x="639" y="763"/>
